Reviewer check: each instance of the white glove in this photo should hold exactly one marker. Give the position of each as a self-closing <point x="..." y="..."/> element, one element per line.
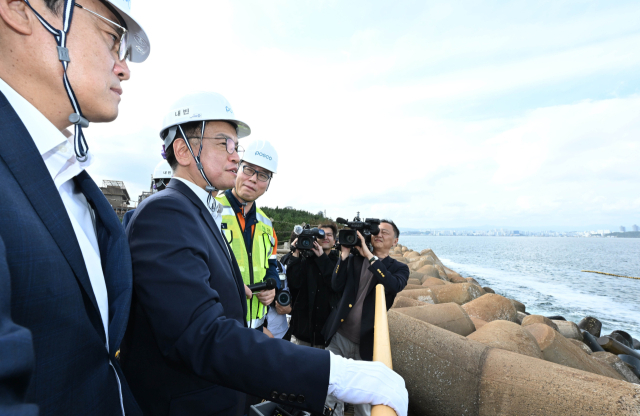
<point x="360" y="382"/>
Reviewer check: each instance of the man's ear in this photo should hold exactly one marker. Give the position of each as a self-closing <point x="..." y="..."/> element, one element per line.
<point x="181" y="151"/>
<point x="16" y="15"/>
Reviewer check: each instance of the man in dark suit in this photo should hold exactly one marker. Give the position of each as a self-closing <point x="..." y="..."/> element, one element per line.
<point x="188" y="350"/>
<point x="15" y="342"/>
<point x="350" y="326"/>
<point x="66" y="252"/>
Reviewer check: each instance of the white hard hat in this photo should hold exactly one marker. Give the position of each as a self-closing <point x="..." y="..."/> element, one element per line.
<point x="139" y="42"/>
<point x="261" y="153"/>
<point x="163" y="171"/>
<point x="201" y="106"/>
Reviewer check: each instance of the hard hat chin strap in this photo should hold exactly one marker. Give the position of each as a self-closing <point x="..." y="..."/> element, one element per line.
<point x="80" y="145"/>
<point x="211" y="200"/>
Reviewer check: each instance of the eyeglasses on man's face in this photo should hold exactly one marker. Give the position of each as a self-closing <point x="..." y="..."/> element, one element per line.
<point x="230" y="145"/>
<point x="249" y="171"/>
<point x="121" y="42"/>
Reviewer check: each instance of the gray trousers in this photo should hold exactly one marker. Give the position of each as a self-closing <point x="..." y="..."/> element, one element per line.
<point x="305" y="343"/>
<point x="343" y="347"/>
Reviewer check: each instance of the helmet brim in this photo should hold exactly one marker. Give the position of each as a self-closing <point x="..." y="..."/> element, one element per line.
<point x="140" y="47"/>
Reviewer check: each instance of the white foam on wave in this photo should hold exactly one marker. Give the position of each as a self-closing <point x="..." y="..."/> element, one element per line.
<point x="548" y="296"/>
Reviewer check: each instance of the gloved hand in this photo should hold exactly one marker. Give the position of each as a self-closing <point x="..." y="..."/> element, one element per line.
<point x="359" y="382"/>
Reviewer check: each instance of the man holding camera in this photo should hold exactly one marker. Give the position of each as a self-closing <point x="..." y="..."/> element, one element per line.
<point x="248" y="229"/>
<point x="188" y="349"/>
<point x="350" y="328"/>
<point x="309" y="272"/>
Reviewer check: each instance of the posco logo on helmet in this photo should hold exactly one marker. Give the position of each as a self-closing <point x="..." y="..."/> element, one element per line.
<point x="264" y="155"/>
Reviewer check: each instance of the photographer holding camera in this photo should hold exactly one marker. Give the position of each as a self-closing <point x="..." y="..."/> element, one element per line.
<point x="310" y="276"/>
<point x="350" y="327"/>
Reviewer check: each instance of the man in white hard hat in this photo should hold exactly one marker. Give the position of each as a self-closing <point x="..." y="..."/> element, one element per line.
<point x="159" y="180"/>
<point x="188" y="349"/>
<point x="248" y="229"/>
<point x="62" y="65"/>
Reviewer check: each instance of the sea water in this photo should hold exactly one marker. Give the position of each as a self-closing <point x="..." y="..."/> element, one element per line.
<point x="545" y="274"/>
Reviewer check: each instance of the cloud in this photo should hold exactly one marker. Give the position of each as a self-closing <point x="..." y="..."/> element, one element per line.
<point x="353" y="97"/>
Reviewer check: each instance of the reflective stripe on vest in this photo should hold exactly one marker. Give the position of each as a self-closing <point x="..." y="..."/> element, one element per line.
<point x="261" y="251"/>
<point x="255" y="323"/>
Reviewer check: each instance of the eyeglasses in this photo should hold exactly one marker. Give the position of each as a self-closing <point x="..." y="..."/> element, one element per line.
<point x="249" y="171"/>
<point x="123" y="45"/>
<point x="231" y="145"/>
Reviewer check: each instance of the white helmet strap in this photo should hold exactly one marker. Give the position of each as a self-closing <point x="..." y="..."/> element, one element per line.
<point x="211" y="200"/>
<point x="80" y="145"/>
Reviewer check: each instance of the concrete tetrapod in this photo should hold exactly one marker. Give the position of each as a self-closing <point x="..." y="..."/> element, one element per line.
<point x="616" y="364"/>
<point x="491" y="307"/>
<point x="569" y="329"/>
<point x="591" y="342"/>
<point x="429" y="270"/>
<point x="477" y="322"/>
<point x="410" y="286"/>
<point x="454" y="277"/>
<point x="508" y="336"/>
<point x="520" y="307"/>
<point x="591" y="325"/>
<point x="558" y="349"/>
<point x="447" y="374"/>
<point x="404" y="302"/>
<point x="449" y="316"/>
<point x="434" y="281"/>
<point x="457" y="293"/>
<point x="538" y="319"/>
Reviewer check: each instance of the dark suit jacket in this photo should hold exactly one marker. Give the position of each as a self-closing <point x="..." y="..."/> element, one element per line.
<point x="17" y="348"/>
<point x="311" y="279"/>
<point x="50" y="287"/>
<point x="187" y="344"/>
<point x="127" y="218"/>
<point x="392" y="274"/>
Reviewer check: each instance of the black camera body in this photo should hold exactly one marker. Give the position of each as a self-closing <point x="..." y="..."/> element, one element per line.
<point x="306" y="237"/>
<point x="349" y="237"/>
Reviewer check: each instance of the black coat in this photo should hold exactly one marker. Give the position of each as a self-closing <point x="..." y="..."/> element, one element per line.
<point x="311" y="278"/>
<point x="187" y="344"/>
<point x="390" y="273"/>
<point x="51" y="293"/>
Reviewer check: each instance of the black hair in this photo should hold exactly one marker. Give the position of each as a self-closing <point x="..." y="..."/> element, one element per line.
<point x="396" y="231"/>
<point x="190" y="129"/>
<point x="333" y="227"/>
<point x="54" y="6"/>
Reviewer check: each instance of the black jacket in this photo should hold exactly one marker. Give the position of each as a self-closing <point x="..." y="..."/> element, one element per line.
<point x="392" y="274"/>
<point x="311" y="278"/>
<point x="187" y="345"/>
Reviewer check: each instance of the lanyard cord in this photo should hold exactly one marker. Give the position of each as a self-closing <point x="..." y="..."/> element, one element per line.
<point x="80" y="145"/>
<point x="213" y="205"/>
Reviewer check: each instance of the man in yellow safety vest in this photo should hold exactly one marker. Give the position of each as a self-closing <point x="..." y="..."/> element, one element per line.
<point x="249" y="231"/>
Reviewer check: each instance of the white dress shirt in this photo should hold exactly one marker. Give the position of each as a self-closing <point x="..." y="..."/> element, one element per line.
<point x="203" y="195"/>
<point x="58" y="154"/>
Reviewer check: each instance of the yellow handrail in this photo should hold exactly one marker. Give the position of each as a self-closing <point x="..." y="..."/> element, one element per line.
<point x="381" y="345"/>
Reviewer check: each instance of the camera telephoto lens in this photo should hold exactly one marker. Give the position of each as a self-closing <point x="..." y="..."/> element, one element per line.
<point x="284" y="298"/>
<point x="351" y="239"/>
<point x="306" y="243"/>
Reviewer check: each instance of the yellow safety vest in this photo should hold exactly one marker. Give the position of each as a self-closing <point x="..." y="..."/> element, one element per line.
<point x="253" y="269"/>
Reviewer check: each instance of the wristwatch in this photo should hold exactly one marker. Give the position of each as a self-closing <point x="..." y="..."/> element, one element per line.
<point x="373" y="259"/>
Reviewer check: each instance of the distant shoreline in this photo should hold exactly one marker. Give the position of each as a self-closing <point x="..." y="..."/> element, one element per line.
<point x="631" y="234"/>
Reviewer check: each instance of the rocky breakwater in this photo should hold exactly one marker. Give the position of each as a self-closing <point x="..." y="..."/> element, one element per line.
<point x="466" y="350"/>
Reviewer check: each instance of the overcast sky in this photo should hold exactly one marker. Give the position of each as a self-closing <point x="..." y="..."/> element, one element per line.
<point x="434" y="114"/>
